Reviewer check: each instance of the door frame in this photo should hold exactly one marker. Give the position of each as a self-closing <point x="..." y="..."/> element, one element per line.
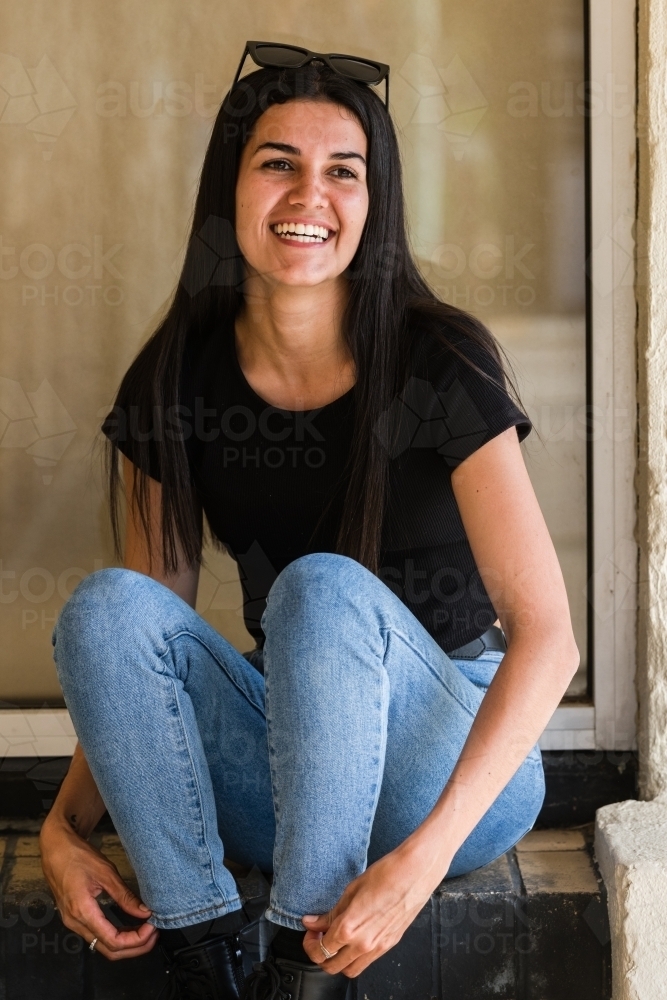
<point x="607" y="720"/>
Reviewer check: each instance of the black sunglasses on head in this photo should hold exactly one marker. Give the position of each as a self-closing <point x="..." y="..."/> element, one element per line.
<point x="279" y="56"/>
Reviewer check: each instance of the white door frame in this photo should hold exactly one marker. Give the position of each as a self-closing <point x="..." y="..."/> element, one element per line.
<point x="609" y="723"/>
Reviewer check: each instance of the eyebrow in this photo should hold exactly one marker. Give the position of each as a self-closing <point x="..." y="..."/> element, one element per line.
<point x="284" y="147"/>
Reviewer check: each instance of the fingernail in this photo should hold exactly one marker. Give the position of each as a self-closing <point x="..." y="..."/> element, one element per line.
<point x="142" y="906"/>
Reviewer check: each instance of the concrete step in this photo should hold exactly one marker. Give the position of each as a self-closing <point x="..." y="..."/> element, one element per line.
<point x="532" y="925"/>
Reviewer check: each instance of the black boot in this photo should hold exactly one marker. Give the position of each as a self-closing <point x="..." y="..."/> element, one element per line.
<point x="284" y="979"/>
<point x="210" y="970"/>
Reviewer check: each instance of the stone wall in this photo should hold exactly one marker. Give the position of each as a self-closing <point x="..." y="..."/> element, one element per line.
<point x="652" y="394"/>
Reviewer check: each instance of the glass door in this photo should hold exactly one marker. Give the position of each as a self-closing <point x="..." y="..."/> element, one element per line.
<point x="493" y="117"/>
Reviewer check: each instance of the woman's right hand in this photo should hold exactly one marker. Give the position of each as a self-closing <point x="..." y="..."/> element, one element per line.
<point x="77" y="873"/>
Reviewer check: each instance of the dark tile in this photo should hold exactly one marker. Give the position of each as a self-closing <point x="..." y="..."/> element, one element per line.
<point x="407" y="972"/>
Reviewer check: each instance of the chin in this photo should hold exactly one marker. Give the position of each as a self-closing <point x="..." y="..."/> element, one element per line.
<point x="304" y="276"/>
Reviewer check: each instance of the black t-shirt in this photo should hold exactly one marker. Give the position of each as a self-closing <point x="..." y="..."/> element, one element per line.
<point x="272" y="482"/>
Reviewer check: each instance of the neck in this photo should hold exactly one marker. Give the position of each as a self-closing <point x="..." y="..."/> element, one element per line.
<point x="290" y="343"/>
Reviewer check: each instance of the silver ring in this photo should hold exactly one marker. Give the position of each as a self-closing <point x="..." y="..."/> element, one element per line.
<point x="92" y="944"/>
<point x="325" y="952"/>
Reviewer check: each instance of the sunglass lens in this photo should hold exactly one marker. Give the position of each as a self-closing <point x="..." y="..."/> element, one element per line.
<point x="361" y="71"/>
<point x="278" y="55"/>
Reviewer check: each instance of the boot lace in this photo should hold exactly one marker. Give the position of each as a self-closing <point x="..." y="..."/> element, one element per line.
<point x="265" y="983"/>
<point x="186" y="981"/>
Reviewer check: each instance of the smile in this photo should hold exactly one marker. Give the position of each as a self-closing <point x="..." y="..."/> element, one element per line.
<point x="299" y="232"/>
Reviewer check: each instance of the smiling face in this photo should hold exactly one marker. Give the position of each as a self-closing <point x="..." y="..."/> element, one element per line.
<point x="301" y="195"/>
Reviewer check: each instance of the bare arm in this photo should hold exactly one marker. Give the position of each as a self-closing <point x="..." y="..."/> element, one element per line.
<point x="75" y="871"/>
<point x="185" y="581"/>
<point x="520" y="570"/>
<point x="79" y="803"/>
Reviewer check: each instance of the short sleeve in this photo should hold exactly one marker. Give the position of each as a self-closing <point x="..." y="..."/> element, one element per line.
<point x="450" y="403"/>
<point x="133" y="438"/>
<point x="131" y="429"/>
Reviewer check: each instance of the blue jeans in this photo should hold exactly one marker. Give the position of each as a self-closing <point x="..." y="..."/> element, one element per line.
<point x="326" y="763"/>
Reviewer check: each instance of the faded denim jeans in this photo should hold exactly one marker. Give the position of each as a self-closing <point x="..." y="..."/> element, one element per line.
<point x="327" y="762"/>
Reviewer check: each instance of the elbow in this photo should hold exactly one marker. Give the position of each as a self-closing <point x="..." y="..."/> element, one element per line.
<point x="571" y="657"/>
<point x="555" y="643"/>
<point x="564" y="654"/>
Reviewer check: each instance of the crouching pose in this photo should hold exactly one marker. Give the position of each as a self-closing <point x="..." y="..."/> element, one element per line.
<point x="353" y="443"/>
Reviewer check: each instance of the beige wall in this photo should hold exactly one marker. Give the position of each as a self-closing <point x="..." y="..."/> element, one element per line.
<point x="652" y="358"/>
<point x="105" y="111"/>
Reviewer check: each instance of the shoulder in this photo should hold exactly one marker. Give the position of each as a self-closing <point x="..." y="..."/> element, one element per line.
<point x="456" y="346"/>
<point x="455" y="395"/>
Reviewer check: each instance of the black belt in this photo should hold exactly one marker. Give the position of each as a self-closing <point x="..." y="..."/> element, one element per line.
<point x="493" y="639"/>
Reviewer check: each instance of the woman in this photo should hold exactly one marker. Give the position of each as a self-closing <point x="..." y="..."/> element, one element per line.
<point x="352" y="443"/>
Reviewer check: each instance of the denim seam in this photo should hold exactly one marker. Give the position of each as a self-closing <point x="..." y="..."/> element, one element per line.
<point x="400" y="635"/>
<point x="207" y="913"/>
<point x="382" y="739"/>
<point x="272" y="768"/>
<point x="199" y="796"/>
<point x="286" y="916"/>
<point x="222" y="665"/>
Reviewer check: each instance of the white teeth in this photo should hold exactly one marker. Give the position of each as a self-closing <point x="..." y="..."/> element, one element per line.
<point x="301" y="232"/>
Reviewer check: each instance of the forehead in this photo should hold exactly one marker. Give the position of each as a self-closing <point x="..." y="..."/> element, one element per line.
<point x="310" y="126"/>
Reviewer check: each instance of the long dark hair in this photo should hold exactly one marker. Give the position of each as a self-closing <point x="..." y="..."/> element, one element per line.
<point x="388" y="301"/>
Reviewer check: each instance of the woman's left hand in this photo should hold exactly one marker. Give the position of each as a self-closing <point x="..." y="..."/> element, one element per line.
<point x="374" y="911"/>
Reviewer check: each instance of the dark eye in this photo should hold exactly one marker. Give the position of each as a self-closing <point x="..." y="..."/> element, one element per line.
<point x="278" y="165"/>
<point x="346" y="172"/>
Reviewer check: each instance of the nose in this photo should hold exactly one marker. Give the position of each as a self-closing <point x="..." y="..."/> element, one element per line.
<point x="308" y="192"/>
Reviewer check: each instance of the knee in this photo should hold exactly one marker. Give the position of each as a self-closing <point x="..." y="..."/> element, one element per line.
<point x="318" y="571"/>
<point x="315" y="581"/>
<point x="104" y="587"/>
<point x="108" y="595"/>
